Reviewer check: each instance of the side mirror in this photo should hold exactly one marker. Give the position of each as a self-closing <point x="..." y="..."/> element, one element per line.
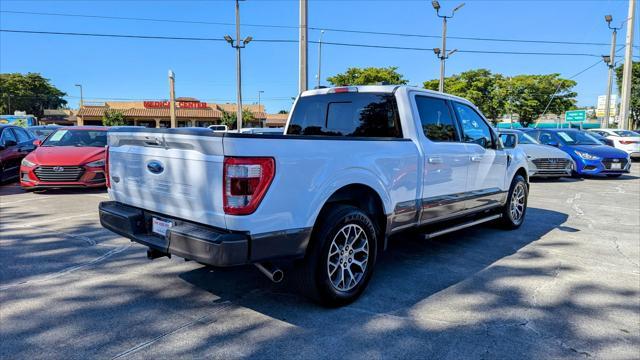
<point x="37" y="142"/>
<point x="10" y="143"/>
<point x="509" y="141"/>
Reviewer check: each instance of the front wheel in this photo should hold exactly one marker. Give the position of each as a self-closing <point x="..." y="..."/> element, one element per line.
<point x="515" y="208"/>
<point x="340" y="257"/>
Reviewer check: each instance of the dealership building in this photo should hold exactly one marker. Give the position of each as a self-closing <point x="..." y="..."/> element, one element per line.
<point x="189" y="112"/>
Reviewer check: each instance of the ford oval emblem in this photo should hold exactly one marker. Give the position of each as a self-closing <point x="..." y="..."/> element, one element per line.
<point x="155" y="167"/>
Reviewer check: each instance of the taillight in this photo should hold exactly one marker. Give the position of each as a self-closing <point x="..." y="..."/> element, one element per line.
<point x="106" y="167"/>
<point x="627" y="142"/>
<point x="246" y="181"/>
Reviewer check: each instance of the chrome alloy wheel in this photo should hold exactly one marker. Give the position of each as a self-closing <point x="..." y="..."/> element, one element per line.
<point x="348" y="256"/>
<point x="518" y="199"/>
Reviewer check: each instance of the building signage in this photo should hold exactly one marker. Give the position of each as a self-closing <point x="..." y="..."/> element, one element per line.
<point x="179" y="105"/>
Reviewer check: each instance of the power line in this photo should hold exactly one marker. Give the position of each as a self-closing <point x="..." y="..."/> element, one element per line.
<point x="153" y="37"/>
<point x="573" y="77"/>
<point x="352" y="31"/>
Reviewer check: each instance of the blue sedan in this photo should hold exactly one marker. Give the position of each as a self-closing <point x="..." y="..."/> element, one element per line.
<point x="590" y="155"/>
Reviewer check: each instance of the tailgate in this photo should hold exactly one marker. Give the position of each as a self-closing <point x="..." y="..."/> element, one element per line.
<point x="176" y="172"/>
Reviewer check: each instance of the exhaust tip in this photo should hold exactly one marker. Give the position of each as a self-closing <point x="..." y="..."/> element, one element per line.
<point x="273" y="273"/>
<point x="277" y="276"/>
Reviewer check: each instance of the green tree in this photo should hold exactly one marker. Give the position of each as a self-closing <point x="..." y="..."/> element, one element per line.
<point x="480" y="86"/>
<point x="283" y="111"/>
<point x="30" y="93"/>
<point x="368" y="76"/>
<point x="529" y="95"/>
<point x="634" y="104"/>
<point x="230" y="118"/>
<point x="113" y="118"/>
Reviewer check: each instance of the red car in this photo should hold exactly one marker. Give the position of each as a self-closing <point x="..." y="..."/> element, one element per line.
<point x="69" y="157"/>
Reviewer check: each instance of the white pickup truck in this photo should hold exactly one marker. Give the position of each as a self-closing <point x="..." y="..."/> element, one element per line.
<point x="355" y="165"/>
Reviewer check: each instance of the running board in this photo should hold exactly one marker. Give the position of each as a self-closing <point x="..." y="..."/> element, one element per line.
<point x="462" y="226"/>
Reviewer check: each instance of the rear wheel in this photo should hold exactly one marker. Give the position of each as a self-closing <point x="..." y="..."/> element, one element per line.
<point x="515" y="209"/>
<point x="340" y="257"/>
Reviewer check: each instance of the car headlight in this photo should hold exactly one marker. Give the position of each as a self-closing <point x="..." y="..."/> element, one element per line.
<point x="97" y="163"/>
<point x="586" y="155"/>
<point x="27" y="163"/>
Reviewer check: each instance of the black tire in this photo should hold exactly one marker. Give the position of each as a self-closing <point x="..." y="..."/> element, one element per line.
<point x="312" y="274"/>
<point x="508" y="220"/>
<point x="614" y="175"/>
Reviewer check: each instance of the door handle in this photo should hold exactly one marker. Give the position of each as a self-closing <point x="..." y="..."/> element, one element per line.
<point x="476" y="158"/>
<point x="435" y="160"/>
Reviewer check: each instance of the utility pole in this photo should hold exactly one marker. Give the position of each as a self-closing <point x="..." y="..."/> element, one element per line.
<point x="81" y="97"/>
<point x="172" y="99"/>
<point x="442" y="53"/>
<point x="304" y="46"/>
<point x="610" y="60"/>
<point x="259" y="92"/>
<point x="320" y="58"/>
<point x="625" y="119"/>
<point x="239" y="44"/>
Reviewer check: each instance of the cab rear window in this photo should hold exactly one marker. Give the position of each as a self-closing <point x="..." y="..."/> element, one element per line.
<point x="346" y="114"/>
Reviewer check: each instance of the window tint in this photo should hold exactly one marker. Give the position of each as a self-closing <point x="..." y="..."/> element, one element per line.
<point x="7" y="134"/>
<point x="22" y="135"/>
<point x="436" y="119"/>
<point x="474" y="129"/>
<point x="346" y="114"/>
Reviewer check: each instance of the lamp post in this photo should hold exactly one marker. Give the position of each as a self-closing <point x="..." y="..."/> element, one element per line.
<point x="610" y="61"/>
<point x="442" y="54"/>
<point x="238" y="44"/>
<point x="81" y="97"/>
<point x="320" y="58"/>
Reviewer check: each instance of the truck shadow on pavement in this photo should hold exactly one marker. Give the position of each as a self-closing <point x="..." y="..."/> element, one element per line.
<point x="471" y="294"/>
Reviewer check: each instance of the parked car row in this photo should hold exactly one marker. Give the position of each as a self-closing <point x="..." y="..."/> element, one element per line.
<point x="571" y="152"/>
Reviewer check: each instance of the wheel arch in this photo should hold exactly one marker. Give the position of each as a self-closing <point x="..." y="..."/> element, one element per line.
<point x="365" y="198"/>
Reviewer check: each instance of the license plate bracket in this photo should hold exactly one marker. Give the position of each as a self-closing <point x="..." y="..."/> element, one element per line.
<point x="160" y="226"/>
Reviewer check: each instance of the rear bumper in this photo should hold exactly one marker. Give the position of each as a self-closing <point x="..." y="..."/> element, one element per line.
<point x="205" y="244"/>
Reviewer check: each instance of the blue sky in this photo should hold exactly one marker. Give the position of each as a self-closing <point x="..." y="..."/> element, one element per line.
<point x="137" y="69"/>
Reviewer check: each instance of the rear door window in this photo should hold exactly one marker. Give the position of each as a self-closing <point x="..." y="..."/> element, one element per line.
<point x="346" y="114"/>
<point x="436" y="118"/>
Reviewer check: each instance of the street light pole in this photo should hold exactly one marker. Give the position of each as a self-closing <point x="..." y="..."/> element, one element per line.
<point x="239" y="44"/>
<point x="611" y="64"/>
<point x="81" y="97"/>
<point x="320" y="58"/>
<point x="442" y="53"/>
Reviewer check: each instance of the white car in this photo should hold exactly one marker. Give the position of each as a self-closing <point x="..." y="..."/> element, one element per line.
<point x="626" y="140"/>
<point x="355" y="165"/>
<point x="543" y="160"/>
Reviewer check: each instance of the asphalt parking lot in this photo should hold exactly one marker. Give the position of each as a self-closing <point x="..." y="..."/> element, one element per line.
<point x="565" y="285"/>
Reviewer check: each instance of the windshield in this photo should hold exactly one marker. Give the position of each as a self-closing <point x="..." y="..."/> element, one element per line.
<point x="626" y="133"/>
<point x="577" y="138"/>
<point x="42" y="133"/>
<point x="93" y="138"/>
<point x="526" y="139"/>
